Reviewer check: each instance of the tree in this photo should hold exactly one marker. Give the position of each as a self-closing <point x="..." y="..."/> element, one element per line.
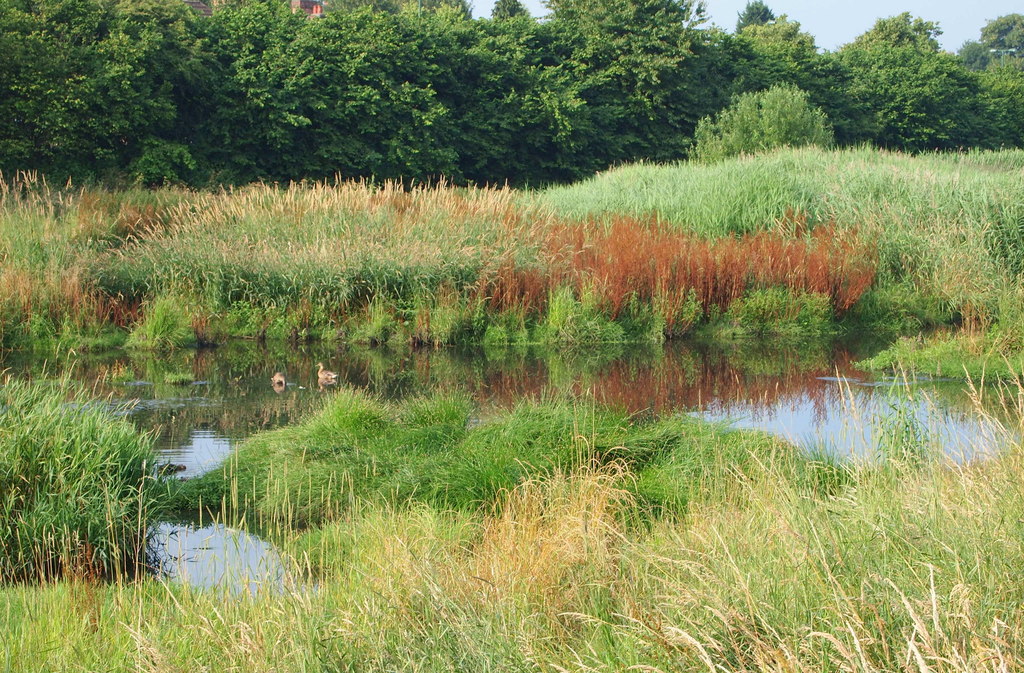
<point x="756" y="13"/>
<point x="1001" y="43"/>
<point x="915" y="96"/>
<point x="638" y="72"/>
<point x="1006" y="32"/>
<point x="779" y="52"/>
<point x="462" y="7"/>
<point x="1002" y="89"/>
<point x="508" y="9"/>
<point x="779" y="117"/>
<point x="974" y="55"/>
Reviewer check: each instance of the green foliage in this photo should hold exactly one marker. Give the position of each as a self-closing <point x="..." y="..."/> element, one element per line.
<point x="916" y="97"/>
<point x="902" y="437"/>
<point x="756" y="13"/>
<point x="1004" y="33"/>
<point x="974" y="55"/>
<point x="779" y="117"/>
<point x="178" y="378"/>
<point x="508" y="9"/>
<point x="1002" y="89"/>
<point x="77" y="486"/>
<point x="777" y="311"/>
<point x="938" y="221"/>
<point x="377" y="325"/>
<point x="359" y="449"/>
<point x="163" y="326"/>
<point x="446" y="319"/>
<point x="899" y="309"/>
<point x="995" y="354"/>
<point x="571" y="320"/>
<point x="149" y="92"/>
<point x="632" y="64"/>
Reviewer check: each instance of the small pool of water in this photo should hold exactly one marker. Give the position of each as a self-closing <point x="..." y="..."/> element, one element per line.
<point x="216" y="556"/>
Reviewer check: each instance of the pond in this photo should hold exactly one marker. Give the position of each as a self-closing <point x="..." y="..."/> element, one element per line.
<point x="201" y="403"/>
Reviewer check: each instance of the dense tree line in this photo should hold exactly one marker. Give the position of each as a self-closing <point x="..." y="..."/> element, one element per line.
<point x="149" y="90"/>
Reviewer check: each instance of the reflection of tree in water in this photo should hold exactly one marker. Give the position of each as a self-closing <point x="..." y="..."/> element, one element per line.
<point x="236" y="397"/>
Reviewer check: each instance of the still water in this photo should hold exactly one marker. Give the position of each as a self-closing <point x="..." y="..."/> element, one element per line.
<point x="812" y="395"/>
<point x="200" y="404"/>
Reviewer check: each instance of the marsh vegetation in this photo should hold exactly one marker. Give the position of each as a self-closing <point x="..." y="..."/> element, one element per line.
<point x="502" y="479"/>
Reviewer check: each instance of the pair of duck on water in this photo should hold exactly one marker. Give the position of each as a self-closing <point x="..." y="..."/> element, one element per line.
<point x="324" y="377"/>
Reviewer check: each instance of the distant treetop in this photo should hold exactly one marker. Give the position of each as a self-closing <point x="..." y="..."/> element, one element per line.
<point x="756" y="13"/>
<point x="508" y="9"/>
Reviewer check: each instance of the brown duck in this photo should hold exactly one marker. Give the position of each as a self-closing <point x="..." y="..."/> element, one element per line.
<point x="325" y="377"/>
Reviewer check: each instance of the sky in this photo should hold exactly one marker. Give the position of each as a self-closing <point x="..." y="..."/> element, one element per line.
<point x="834" y="23"/>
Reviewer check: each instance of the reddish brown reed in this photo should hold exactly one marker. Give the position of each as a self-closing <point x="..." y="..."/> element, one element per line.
<point x="627" y="259"/>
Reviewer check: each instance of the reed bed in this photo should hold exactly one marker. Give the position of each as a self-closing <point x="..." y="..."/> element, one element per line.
<point x="684" y="278"/>
<point x="435" y="264"/>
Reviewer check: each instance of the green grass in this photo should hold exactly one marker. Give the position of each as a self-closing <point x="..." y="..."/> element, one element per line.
<point x="773" y="562"/>
<point x="178" y="378"/>
<point x="977" y="357"/>
<point x="76" y="484"/>
<point x="164" y="326"/>
<point x="948" y="222"/>
<point x="358" y="448"/>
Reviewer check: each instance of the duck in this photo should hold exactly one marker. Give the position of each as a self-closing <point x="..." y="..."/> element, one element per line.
<point x="325" y="377"/>
<point x="277" y="380"/>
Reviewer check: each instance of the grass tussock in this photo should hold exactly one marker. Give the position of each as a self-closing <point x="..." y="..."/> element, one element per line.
<point x="77" y="486"/>
<point x="359" y="448"/>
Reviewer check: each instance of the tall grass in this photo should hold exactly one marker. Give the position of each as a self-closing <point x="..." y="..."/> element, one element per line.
<point x="783" y="566"/>
<point x="628" y="261"/>
<point x="311" y="260"/>
<point x="948" y="222"/>
<point x="358" y="448"/>
<point x="76" y="486"/>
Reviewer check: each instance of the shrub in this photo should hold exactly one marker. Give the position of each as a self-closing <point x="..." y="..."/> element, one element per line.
<point x="76" y="485"/>
<point x="778" y="117"/>
<point x="575" y="321"/>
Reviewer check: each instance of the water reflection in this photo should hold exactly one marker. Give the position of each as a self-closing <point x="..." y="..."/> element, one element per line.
<point x="200" y="403"/>
<point x="216" y="556"/>
<point x="850" y="416"/>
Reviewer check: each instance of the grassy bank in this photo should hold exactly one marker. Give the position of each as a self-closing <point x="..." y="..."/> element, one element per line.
<point x="373" y="264"/>
<point x="77" y="485"/>
<point x="946" y="229"/>
<point x="994" y="353"/>
<point x="558" y="561"/>
<point x="790" y="243"/>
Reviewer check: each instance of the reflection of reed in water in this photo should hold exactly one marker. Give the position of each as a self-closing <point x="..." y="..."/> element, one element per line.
<point x="683" y="379"/>
<point x="234" y="400"/>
